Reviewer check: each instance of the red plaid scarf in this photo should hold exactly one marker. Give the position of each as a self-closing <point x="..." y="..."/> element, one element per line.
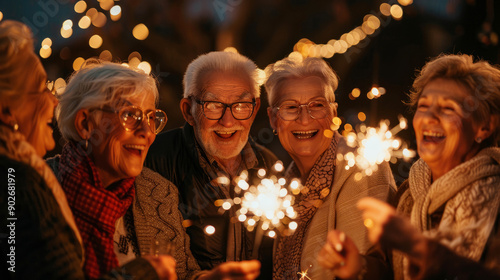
<point x="96" y="208"/>
<point x="314" y="192"/>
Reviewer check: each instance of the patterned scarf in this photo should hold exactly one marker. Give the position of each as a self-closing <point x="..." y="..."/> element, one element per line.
<point x="96" y="208"/>
<point x="470" y="194"/>
<point x="313" y="194"/>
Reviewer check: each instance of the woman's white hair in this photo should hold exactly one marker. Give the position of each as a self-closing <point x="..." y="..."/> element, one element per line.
<point x="219" y="62"/>
<point x="97" y="84"/>
<point x="290" y="68"/>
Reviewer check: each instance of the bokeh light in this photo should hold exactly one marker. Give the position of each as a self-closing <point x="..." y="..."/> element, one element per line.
<point x="80" y="6"/>
<point x="47" y="42"/>
<point x="106" y="55"/>
<point x="1" y="16"/>
<point x="145" y="66"/>
<point x="95" y="41"/>
<point x="106" y="4"/>
<point x="66" y="33"/>
<point x="99" y="20"/>
<point x="396" y="12"/>
<point x="84" y="22"/>
<point x="405" y="2"/>
<point x="115" y="13"/>
<point x="140" y="32"/>
<point x="385" y="9"/>
<point x="77" y="64"/>
<point x="45" y="52"/>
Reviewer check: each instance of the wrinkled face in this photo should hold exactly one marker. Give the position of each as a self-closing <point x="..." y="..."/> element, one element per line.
<point x="304" y="138"/>
<point x="119" y="153"/>
<point x="34" y="116"/>
<point x="444" y="130"/>
<point x="224" y="138"/>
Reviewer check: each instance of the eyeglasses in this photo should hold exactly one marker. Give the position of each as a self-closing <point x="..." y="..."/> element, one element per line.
<point x="291" y="111"/>
<point x="131" y="117"/>
<point x="214" y="110"/>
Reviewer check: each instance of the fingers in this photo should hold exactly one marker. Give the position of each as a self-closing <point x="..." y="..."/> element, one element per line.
<point x="375" y="215"/>
<point x="164" y="266"/>
<point x="331" y="255"/>
<point x="244" y="270"/>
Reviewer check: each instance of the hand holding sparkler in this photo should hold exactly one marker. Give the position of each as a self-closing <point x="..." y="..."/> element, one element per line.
<point x="340" y="255"/>
<point x="247" y="270"/>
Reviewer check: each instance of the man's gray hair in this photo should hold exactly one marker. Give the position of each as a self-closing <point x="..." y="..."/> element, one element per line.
<point x="225" y="62"/>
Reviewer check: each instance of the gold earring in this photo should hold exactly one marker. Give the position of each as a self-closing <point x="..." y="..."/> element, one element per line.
<point x="479" y="140"/>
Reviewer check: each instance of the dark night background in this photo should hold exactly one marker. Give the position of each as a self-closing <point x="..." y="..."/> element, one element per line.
<point x="266" y="31"/>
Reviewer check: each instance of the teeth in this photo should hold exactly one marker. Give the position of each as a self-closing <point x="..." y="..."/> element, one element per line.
<point x="136" y="147"/>
<point x="433" y="134"/>
<point x="225" y="132"/>
<point x="304" y="132"/>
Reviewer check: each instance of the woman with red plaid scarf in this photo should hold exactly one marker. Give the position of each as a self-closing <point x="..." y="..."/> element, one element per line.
<point x="108" y="115"/>
<point x="42" y="240"/>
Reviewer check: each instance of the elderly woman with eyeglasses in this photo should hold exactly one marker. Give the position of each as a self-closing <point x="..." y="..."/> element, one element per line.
<point x="302" y="107"/>
<point x="108" y="116"/>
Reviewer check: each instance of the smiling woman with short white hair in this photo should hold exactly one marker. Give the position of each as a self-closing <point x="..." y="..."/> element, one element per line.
<point x="302" y="107"/>
<point x="108" y="115"/>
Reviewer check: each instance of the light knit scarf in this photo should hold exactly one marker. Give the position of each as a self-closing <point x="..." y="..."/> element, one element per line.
<point x="471" y="195"/>
<point x="313" y="194"/>
<point x="14" y="146"/>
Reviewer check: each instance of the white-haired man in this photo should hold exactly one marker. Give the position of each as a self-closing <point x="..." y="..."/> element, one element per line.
<point x="221" y="100"/>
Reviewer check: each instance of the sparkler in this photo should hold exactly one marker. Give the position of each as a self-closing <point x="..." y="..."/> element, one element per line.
<point x="374" y="146"/>
<point x="266" y="206"/>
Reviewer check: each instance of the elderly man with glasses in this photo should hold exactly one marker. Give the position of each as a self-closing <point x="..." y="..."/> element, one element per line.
<point x="221" y="99"/>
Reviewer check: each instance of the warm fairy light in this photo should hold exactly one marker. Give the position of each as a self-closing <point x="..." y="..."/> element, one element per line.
<point x="47" y="42"/>
<point x="106" y="4"/>
<point x="140" y="31"/>
<point x="66" y="33"/>
<point x="92" y="13"/>
<point x="271" y="233"/>
<point x="396" y="12"/>
<point x="84" y="22"/>
<point x="95" y="41"/>
<point x="115" y="10"/>
<point x="106" y="55"/>
<point x="115" y="13"/>
<point x="405" y="2"/>
<point x="375" y="91"/>
<point x="145" y="66"/>
<point x="45" y="52"/>
<point x="231" y="49"/>
<point x="1" y="16"/>
<point x="278" y="166"/>
<point x="77" y="63"/>
<point x="80" y="6"/>
<point x="209" y="230"/>
<point x="134" y="62"/>
<point x="385" y="9"/>
<point x="374" y="146"/>
<point x="67" y="24"/>
<point x="59" y="84"/>
<point x="362" y="116"/>
<point x="99" y="20"/>
<point x="136" y="55"/>
<point x="303" y="274"/>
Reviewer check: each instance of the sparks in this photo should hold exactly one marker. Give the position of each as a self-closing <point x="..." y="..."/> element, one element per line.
<point x="268" y="205"/>
<point x="374" y="146"/>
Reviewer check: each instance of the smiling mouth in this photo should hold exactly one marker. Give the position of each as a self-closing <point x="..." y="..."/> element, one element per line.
<point x="305" y="134"/>
<point x="135" y="149"/>
<point x="225" y="134"/>
<point x="431" y="136"/>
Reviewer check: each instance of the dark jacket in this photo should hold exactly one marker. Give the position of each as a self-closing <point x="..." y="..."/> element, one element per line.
<point x="175" y="156"/>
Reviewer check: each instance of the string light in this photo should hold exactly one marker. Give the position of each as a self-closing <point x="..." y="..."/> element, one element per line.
<point x="371" y="23"/>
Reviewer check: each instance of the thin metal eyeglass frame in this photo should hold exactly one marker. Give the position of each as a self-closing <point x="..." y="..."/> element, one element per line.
<point x="300" y="110"/>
